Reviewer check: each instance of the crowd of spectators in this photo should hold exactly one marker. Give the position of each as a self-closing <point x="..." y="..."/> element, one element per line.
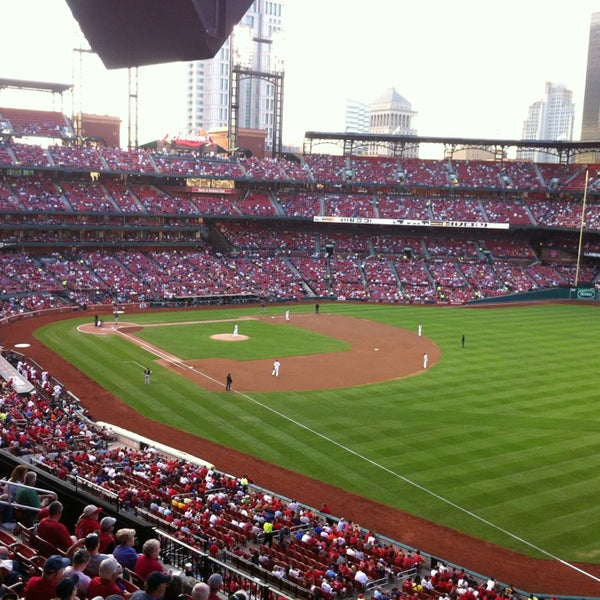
<point x="348" y="205"/>
<point x="35" y="193"/>
<point x="383" y="170"/>
<point x="457" y="209"/>
<point x="328" y="167"/>
<point x="87" y="197"/>
<point x="283" y="265"/>
<point x="214" y="204"/>
<point x="432" y="173"/>
<point x="93" y="224"/>
<point x="477" y="174"/>
<point x="300" y="204"/>
<point x="76" y="158"/>
<point x="128" y="161"/>
<point x="123" y="196"/>
<point x="256" y="204"/>
<point x="266" y="168"/>
<point x="39" y="123"/>
<point x="83" y="213"/>
<point x="402" y="207"/>
<point x="506" y="212"/>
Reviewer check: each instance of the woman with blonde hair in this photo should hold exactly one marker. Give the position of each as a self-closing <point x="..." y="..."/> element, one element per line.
<point x="124" y="551"/>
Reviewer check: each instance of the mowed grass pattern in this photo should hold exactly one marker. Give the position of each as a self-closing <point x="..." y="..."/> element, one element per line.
<point x="500" y="439"/>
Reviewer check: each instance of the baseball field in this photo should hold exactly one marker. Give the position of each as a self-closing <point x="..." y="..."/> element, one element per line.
<point x="498" y="438"/>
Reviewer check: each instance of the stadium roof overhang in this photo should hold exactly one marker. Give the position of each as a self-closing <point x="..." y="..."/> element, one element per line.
<point x="36" y="86"/>
<point x="399" y="143"/>
<point x="133" y="33"/>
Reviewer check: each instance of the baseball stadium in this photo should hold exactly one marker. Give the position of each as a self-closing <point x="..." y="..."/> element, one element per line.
<point x="357" y="374"/>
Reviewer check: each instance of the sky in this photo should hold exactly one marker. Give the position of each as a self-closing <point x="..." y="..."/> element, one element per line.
<point x="469" y="68"/>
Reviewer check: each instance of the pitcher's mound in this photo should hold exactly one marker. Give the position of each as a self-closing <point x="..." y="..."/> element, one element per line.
<point x="229" y="337"/>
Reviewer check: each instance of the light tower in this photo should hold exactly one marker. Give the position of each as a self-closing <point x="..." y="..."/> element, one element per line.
<point x="242" y="44"/>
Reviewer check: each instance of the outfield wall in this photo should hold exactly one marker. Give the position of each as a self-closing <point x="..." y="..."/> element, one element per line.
<point x="559" y="293"/>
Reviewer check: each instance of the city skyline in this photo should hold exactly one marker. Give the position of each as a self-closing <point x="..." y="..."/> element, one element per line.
<point x="469" y="69"/>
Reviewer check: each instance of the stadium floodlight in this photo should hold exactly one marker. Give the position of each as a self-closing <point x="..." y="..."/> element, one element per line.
<point x="241" y="66"/>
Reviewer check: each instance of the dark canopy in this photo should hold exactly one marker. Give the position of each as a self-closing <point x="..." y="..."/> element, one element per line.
<point x="132" y="33"/>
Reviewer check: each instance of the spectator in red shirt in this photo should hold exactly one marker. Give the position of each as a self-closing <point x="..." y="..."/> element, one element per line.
<point x="214" y="549"/>
<point x="215" y="583"/>
<point x="105" y="583"/>
<point x="43" y="587"/>
<point x="53" y="531"/>
<point x="107" y="538"/>
<point x="88" y="521"/>
<point x="148" y="560"/>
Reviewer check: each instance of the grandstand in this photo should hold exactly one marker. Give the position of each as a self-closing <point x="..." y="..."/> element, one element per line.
<point x="319" y="221"/>
<point x="89" y="225"/>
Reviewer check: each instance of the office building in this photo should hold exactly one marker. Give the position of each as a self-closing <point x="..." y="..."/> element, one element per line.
<point x="590" y="124"/>
<point x="357" y="116"/>
<point x="550" y="118"/>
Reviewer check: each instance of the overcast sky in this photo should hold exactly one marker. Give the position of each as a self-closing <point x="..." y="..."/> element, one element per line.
<point x="470" y="68"/>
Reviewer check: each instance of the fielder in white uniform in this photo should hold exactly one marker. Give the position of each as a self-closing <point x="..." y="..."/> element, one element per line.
<point x="276" y="366"/>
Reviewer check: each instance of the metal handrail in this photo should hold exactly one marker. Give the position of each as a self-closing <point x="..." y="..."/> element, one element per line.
<point x="8" y="502"/>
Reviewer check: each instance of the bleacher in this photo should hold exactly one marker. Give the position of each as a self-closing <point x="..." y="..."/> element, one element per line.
<point x="39" y="123"/>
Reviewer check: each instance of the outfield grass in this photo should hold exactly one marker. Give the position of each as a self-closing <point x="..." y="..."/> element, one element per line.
<point x="501" y="436"/>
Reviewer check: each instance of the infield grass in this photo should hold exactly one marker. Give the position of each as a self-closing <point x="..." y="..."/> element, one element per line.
<point x="266" y="340"/>
<point x="500" y="439"/>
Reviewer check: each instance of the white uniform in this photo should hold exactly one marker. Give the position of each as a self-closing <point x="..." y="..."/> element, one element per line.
<point x="420" y="330"/>
<point x="425" y="360"/>
<point x="287" y="315"/>
<point x="276" y="366"/>
<point x="235" y="331"/>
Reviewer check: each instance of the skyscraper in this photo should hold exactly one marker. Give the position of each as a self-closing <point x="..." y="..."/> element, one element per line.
<point x="208" y="81"/>
<point x="590" y="124"/>
<point x="550" y="118"/>
<point x="357" y="116"/>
